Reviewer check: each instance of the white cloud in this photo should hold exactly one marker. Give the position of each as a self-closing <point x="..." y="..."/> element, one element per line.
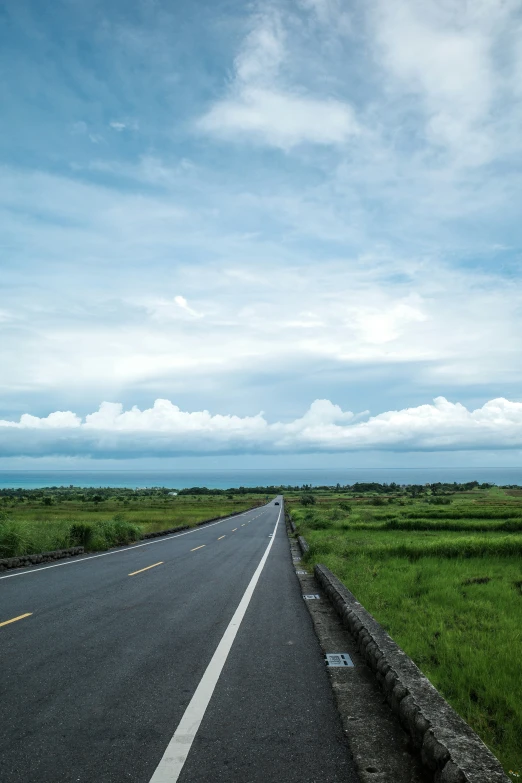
<point x="385" y="325"/>
<point x="54" y="421"/>
<point x="289" y="306"/>
<point x="118" y="126"/>
<point x="262" y="106"/>
<point x="281" y="119"/>
<point x="449" y="55"/>
<point x="263" y="50"/>
<point x="184" y="305"/>
<point x="166" y="430"/>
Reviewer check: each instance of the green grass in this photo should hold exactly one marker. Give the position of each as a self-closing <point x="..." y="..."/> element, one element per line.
<point x="30" y="527"/>
<point x="451" y="598"/>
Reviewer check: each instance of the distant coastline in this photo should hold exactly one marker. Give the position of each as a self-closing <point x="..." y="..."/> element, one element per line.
<point x="223" y="479"/>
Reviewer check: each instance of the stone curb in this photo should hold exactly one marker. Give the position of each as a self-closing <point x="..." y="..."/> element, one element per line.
<point x="303" y="545"/>
<point x="289" y="520"/>
<point x="73" y="551"/>
<point x="42" y="557"/>
<point x="449" y="748"/>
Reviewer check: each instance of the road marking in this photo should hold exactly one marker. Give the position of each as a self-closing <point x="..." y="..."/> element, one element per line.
<point x="220" y="537"/>
<point x="79" y="560"/>
<point x="20" y="617"/>
<point x="234" y="530"/>
<point x="170" y="766"/>
<point x="198" y="547"/>
<point x="146" y="569"/>
<point x="243" y="525"/>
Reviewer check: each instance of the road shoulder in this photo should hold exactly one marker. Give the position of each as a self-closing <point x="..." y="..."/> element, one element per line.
<point x="380" y="748"/>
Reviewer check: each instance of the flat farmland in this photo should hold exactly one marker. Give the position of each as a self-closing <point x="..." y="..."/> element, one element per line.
<point x="443" y="575"/>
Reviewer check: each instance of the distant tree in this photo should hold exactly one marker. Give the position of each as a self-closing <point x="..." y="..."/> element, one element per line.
<point x="307" y="499"/>
<point x="47" y="501"/>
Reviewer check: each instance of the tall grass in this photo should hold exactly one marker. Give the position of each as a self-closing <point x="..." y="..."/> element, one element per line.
<point x="448" y="588"/>
<point x="19" y="537"/>
<point x="30" y="527"/>
<point x="464" y="512"/>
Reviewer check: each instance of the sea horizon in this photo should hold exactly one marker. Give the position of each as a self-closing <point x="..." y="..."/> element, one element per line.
<point x="226" y="478"/>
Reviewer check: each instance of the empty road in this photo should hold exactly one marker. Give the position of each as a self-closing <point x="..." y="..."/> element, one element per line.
<point x="189" y="658"/>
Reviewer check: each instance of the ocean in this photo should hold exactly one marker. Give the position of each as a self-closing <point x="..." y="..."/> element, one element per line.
<point x="223" y="479"/>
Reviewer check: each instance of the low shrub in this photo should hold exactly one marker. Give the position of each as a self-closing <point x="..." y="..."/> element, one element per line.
<point x="13" y="538"/>
<point x="81" y="534"/>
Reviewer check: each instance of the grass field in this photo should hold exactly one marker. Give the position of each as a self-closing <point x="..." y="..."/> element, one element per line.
<point x="446" y="582"/>
<point x="40" y="521"/>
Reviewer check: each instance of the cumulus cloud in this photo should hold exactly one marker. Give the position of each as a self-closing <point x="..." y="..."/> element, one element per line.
<point x="261" y="106"/>
<point x="166" y="430"/>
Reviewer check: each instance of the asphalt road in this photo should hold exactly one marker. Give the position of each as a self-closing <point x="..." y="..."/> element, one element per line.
<point x="111" y="664"/>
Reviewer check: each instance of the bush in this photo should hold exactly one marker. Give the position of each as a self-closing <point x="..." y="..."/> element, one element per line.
<point x="345" y="506"/>
<point x="13" y="538"/>
<point x="307" y="500"/>
<point x="80" y="534"/>
<point x="104" y="534"/>
<point x="318" y="523"/>
<point x="126" y="532"/>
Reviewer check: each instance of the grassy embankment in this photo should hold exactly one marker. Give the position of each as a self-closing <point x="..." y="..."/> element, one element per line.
<point x="446" y="583"/>
<point x="41" y="520"/>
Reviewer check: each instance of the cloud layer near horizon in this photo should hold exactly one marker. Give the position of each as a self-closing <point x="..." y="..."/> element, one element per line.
<point x="165" y="430"/>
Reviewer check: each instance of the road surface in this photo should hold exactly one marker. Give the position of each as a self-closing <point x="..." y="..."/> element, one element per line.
<point x="189" y="658"/>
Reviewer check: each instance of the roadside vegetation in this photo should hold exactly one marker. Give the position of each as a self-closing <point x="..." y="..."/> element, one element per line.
<point x="33" y="521"/>
<point x="440" y="568"/>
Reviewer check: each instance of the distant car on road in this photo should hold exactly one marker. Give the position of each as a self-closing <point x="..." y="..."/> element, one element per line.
<point x="276" y="503"/>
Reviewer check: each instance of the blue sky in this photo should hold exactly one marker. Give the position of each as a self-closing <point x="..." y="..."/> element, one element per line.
<point x="243" y="208"/>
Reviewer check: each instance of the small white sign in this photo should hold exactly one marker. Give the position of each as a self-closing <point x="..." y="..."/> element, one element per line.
<point x="310" y="597"/>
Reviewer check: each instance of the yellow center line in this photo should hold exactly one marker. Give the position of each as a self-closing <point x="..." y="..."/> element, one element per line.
<point x="20" y="617"/>
<point x="198" y="547"/>
<point x="146" y="569"/>
<point x="220" y="537"/>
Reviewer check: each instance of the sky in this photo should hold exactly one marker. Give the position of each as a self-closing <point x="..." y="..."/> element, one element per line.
<point x="256" y="234"/>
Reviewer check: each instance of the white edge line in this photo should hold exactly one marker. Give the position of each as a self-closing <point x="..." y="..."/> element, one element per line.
<point x="171" y="764"/>
<point x="79" y="560"/>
